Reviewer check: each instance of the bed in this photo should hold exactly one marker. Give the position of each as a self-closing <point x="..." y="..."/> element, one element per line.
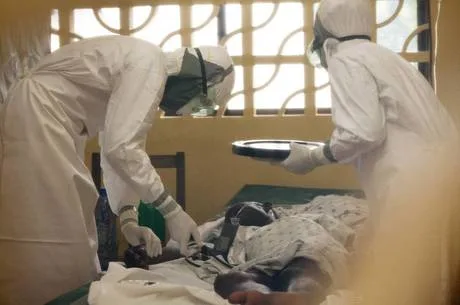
<point x="279" y="195"/>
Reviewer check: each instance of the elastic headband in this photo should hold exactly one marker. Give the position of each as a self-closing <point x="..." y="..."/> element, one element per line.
<point x="204" y="81"/>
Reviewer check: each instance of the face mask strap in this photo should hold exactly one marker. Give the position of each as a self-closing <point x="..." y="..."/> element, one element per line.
<point x="204" y="81"/>
<point x="352" y="37"/>
<point x="321" y="35"/>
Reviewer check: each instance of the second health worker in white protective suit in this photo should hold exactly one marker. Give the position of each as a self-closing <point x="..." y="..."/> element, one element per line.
<point x="387" y="118"/>
<point x="108" y="85"/>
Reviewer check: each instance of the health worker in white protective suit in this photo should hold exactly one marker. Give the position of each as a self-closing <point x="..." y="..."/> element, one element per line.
<point x="107" y="85"/>
<point x="387" y="117"/>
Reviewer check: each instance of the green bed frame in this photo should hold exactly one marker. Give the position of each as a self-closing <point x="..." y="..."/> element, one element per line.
<point x="286" y="194"/>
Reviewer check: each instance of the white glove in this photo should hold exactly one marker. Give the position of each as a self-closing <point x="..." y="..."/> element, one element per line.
<point x="302" y="159"/>
<point x="181" y="227"/>
<point x="136" y="235"/>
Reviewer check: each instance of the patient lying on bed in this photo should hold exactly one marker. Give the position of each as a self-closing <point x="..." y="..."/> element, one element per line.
<point x="306" y="250"/>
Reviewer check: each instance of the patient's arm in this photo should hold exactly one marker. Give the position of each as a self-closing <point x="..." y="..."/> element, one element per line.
<point x="228" y="283"/>
<point x="301" y="276"/>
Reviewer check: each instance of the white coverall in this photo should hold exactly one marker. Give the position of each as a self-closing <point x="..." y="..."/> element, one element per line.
<point x="387" y="117"/>
<point x="48" y="238"/>
<point x="391" y="126"/>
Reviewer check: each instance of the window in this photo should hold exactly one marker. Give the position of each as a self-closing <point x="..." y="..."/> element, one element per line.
<point x="267" y="41"/>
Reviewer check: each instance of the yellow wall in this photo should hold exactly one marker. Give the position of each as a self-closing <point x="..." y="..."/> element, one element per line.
<point x="448" y="62"/>
<point x="214" y="175"/>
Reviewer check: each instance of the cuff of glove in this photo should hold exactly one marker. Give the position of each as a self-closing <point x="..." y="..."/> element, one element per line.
<point x="327" y="153"/>
<point x="128" y="215"/>
<point x="319" y="157"/>
<point x="166" y="205"/>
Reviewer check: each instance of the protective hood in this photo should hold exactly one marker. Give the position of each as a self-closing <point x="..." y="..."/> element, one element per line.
<point x="343" y="18"/>
<point x="339" y="20"/>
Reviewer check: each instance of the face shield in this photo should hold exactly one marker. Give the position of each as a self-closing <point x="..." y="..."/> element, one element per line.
<point x="196" y="89"/>
<point x="206" y="104"/>
<point x="201" y="105"/>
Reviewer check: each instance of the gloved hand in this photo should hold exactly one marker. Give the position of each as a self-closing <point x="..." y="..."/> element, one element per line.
<point x="136" y="235"/>
<point x="181" y="227"/>
<point x="302" y="159"/>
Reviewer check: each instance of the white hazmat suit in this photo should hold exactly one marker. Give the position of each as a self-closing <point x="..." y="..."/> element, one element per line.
<point x="387" y="117"/>
<point x="113" y="85"/>
<point x="391" y="126"/>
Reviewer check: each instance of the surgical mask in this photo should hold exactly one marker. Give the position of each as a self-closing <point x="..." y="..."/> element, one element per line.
<point x="316" y="55"/>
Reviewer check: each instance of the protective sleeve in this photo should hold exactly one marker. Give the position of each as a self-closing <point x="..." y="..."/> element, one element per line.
<point x="357" y="114"/>
<point x="119" y="192"/>
<point x="136" y="94"/>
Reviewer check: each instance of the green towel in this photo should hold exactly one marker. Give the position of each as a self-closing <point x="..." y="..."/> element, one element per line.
<point x="150" y="217"/>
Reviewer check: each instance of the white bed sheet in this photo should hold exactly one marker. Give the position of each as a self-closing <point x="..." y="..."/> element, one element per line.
<point x="169" y="283"/>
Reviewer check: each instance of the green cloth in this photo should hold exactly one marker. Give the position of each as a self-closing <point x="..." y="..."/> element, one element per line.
<point x="286" y="194"/>
<point x="150" y="217"/>
<point x="77" y="296"/>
